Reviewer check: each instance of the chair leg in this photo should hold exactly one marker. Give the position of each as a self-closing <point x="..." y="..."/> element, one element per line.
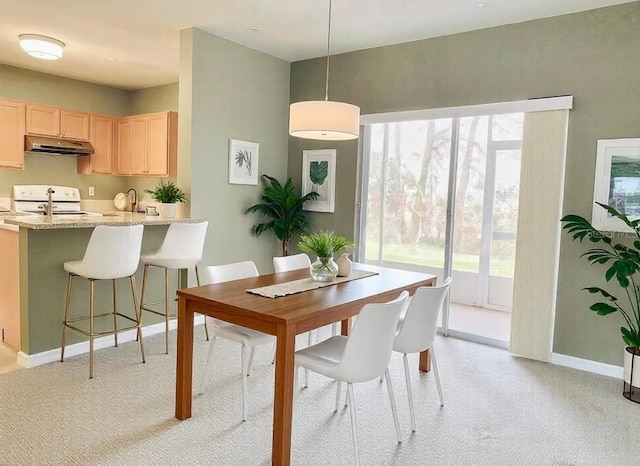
<point x="354" y="426"/>
<point x="115" y="313"/>
<point x="243" y="352"/>
<point x="394" y="409"/>
<point x="206" y="329"/>
<point x="144" y="284"/>
<point x="209" y="362"/>
<point x="338" y="394"/>
<point x="335" y="329"/>
<point x="66" y="316"/>
<point x="166" y="311"/>
<point x="91" y="295"/>
<point x="252" y="354"/>
<point x="407" y="377"/>
<point x="273" y="356"/>
<point x="138" y="312"/>
<point x="306" y="371"/>
<point x="435" y="373"/>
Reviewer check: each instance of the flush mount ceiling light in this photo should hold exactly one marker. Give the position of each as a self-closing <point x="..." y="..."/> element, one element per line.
<point x="42" y="47"/>
<point x="324" y="119"/>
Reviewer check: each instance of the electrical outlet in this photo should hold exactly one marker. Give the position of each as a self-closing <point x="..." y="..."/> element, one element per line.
<point x="92" y="191"/>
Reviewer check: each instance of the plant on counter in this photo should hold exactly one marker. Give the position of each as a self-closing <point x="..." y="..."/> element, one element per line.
<point x="283" y="210"/>
<point x="167" y="193"/>
<point x="623" y="264"/>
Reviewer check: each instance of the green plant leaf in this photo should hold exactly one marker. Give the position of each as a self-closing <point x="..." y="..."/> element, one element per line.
<point x="603" y="309"/>
<point x="629" y="337"/>
<point x="606" y="294"/>
<point x="167" y="192"/>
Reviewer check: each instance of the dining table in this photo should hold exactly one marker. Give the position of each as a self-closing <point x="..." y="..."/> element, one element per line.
<point x="285" y="317"/>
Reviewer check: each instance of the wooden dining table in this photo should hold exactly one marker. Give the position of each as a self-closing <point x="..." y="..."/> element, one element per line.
<point x="285" y="317"/>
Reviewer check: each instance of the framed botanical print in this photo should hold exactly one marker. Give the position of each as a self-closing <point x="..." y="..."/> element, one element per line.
<point x="319" y="175"/>
<point x="243" y="162"/>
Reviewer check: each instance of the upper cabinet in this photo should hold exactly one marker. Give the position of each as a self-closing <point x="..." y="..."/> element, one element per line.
<point x="147" y="144"/>
<point x="103" y="141"/>
<point x="57" y="122"/>
<point x="12" y="126"/>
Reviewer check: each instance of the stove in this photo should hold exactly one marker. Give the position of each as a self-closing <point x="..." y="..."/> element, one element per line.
<point x="33" y="199"/>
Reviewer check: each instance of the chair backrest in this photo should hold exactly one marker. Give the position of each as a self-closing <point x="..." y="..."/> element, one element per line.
<point x="112" y="252"/>
<point x="418" y="328"/>
<point x="184" y="240"/>
<point x="228" y="272"/>
<point x="368" y="350"/>
<point x="295" y="262"/>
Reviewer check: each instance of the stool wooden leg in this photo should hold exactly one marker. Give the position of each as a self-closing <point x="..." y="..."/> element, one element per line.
<point x="115" y="312"/>
<point x="206" y="329"/>
<point x="144" y="284"/>
<point x="138" y="312"/>
<point x="66" y="316"/>
<point x="166" y="311"/>
<point x="91" y="294"/>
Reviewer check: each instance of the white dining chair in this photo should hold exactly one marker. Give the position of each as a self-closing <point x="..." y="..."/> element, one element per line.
<point x="362" y="356"/>
<point x="293" y="262"/>
<point x="417" y="332"/>
<point x="248" y="338"/>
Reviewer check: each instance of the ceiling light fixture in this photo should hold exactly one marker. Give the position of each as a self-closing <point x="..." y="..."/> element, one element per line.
<point x="324" y="119"/>
<point x="42" y="47"/>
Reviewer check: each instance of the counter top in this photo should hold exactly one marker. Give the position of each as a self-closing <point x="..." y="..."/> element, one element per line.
<point x="40" y="222"/>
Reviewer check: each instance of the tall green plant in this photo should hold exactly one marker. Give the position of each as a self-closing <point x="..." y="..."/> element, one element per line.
<point x="623" y="264"/>
<point x="282" y="211"/>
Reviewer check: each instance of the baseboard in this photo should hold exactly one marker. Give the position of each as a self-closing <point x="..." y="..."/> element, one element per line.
<point x="32" y="360"/>
<point x="587" y="365"/>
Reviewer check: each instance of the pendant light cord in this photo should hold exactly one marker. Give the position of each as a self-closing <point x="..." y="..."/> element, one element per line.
<point x="326" y="84"/>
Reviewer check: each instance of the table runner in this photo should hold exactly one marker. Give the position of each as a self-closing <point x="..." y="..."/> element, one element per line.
<point x="306" y="284"/>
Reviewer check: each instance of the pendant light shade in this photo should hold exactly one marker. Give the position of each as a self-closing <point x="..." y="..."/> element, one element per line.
<point x="42" y="47"/>
<point x="324" y="119"/>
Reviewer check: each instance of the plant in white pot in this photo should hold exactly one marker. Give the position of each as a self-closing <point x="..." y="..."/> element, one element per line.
<point x="623" y="265"/>
<point x="167" y="195"/>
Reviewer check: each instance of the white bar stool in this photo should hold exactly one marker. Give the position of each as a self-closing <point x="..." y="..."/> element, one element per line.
<point x="181" y="249"/>
<point x="112" y="253"/>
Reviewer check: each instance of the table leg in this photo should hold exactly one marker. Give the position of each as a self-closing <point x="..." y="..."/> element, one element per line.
<point x="425" y="361"/>
<point x="184" y="363"/>
<point x="283" y="395"/>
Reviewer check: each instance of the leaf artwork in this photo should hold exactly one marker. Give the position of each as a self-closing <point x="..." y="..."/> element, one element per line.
<point x="318" y="172"/>
<point x="243" y="157"/>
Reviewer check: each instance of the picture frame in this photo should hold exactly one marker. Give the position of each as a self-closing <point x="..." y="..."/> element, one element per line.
<point x="319" y="175"/>
<point x="243" y="162"/>
<point x="617" y="183"/>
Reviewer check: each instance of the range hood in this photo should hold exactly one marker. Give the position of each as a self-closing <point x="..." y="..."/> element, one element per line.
<point x="57" y="146"/>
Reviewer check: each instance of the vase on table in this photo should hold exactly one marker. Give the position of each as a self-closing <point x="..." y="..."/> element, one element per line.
<point x="344" y="265"/>
<point x="168" y="210"/>
<point x="324" y="269"/>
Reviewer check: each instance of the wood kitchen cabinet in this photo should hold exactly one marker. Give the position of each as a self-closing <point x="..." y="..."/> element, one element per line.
<point x="12" y="125"/>
<point x="147" y="144"/>
<point x="44" y="120"/>
<point x="103" y="140"/>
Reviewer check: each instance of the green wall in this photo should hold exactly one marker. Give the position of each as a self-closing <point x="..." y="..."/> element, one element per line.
<point x="228" y="91"/>
<point x="594" y="55"/>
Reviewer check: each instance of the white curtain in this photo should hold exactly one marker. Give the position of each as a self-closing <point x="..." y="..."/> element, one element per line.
<point x="538" y="241"/>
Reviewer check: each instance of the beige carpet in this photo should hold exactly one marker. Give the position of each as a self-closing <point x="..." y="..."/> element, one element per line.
<point x="500" y="410"/>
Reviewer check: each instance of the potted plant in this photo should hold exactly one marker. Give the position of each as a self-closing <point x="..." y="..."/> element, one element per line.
<point x="324" y="245"/>
<point x="282" y="209"/>
<point x="167" y="194"/>
<point x="623" y="264"/>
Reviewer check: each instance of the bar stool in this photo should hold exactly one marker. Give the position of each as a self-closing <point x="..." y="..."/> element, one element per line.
<point x="112" y="253"/>
<point x="181" y="249"/>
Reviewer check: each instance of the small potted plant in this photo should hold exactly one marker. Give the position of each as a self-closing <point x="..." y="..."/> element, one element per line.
<point x="324" y="245"/>
<point x="167" y="194"/>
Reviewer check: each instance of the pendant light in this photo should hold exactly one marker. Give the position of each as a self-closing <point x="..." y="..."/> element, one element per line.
<point x="43" y="47"/>
<point x="324" y="119"/>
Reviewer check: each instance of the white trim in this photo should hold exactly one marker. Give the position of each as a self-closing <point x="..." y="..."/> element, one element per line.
<point x="28" y="361"/>
<point x="586" y="365"/>
<point x="501" y="108"/>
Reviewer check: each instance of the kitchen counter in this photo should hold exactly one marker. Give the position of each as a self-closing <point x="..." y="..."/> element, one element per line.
<point x="40" y="222"/>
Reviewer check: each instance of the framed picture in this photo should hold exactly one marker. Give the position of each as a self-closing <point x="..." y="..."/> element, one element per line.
<point x="243" y="162"/>
<point x="319" y="175"/>
<point x="617" y="183"/>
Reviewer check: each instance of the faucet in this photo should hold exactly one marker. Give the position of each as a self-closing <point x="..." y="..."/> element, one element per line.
<point x="48" y="208"/>
<point x="134" y="200"/>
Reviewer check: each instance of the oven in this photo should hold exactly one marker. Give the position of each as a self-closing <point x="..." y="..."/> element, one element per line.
<point x="65" y="200"/>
